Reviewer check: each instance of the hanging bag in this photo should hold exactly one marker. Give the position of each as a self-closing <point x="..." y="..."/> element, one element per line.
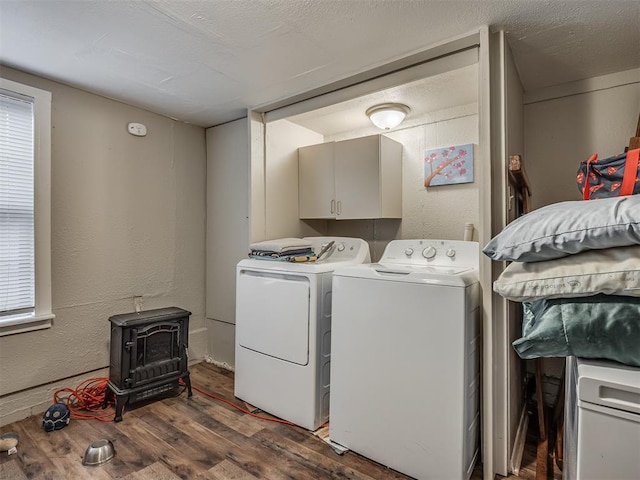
<point x="615" y="176"/>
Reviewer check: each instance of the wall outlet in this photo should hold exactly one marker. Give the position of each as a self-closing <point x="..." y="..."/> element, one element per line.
<point x="137" y="303"/>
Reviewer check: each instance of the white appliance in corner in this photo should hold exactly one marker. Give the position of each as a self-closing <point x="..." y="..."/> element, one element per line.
<point x="283" y="331"/>
<point x="405" y="358"/>
<point x="602" y="421"/>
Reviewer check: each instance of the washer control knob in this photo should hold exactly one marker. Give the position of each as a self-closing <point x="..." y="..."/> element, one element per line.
<point x="408" y="252"/>
<point x="451" y="253"/>
<point x="429" y="252"/>
<point x="340" y="247"/>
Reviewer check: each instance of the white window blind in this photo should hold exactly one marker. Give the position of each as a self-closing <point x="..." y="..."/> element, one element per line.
<point x="17" y="242"/>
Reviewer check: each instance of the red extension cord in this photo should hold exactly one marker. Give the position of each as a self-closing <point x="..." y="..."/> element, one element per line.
<point x="247" y="412"/>
<point x="87" y="401"/>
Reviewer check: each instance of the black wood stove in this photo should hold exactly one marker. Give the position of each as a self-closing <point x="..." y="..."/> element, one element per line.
<point x="148" y="354"/>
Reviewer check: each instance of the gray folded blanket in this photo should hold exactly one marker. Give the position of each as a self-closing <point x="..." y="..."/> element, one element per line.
<point x="281" y="245"/>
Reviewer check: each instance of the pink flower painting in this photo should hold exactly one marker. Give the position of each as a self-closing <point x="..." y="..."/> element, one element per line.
<point x="448" y="165"/>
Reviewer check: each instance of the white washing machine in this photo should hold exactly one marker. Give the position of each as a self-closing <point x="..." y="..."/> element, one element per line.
<point x="283" y="331"/>
<point x="405" y="353"/>
<point x="602" y="421"/>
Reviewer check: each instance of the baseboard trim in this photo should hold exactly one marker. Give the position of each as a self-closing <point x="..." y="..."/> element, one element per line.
<point x="518" y="445"/>
<point x="19" y="405"/>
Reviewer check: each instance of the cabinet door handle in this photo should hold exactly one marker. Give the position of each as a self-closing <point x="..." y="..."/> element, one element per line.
<point x="333" y="206"/>
<point x="339" y="207"/>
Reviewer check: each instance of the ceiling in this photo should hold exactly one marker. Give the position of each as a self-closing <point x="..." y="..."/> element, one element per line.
<point x="433" y="95"/>
<point x="206" y="62"/>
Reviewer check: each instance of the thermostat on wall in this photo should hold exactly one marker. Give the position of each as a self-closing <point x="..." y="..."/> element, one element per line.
<point x="137" y="129"/>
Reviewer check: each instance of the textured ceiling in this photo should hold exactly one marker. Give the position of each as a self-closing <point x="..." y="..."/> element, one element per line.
<point x="205" y="62"/>
<point x="430" y="96"/>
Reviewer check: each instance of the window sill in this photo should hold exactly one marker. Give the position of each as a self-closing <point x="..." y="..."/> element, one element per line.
<point x="22" y="324"/>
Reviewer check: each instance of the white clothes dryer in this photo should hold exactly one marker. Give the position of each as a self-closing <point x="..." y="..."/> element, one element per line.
<point x="405" y="358"/>
<point x="283" y="331"/>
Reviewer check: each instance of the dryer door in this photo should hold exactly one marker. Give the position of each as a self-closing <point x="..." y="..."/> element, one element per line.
<point x="272" y="314"/>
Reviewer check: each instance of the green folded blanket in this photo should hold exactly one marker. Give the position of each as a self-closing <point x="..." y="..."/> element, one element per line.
<point x="601" y="326"/>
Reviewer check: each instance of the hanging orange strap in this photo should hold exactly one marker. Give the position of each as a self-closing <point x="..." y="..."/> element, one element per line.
<point x="586" y="193"/>
<point x="630" y="172"/>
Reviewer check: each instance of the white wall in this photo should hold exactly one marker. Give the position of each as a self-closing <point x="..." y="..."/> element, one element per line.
<point x="128" y="219"/>
<point x="283" y="139"/>
<point x="436" y="212"/>
<point x="566" y="124"/>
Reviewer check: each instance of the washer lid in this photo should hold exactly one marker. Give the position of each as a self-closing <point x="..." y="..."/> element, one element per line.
<point x="609" y="384"/>
<point x="428" y="275"/>
<point x="421" y="269"/>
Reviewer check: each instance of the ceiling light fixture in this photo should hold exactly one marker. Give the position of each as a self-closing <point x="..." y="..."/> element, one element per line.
<point x="387" y="115"/>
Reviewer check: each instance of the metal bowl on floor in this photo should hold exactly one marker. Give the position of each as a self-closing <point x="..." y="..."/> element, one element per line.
<point x="99" y="452"/>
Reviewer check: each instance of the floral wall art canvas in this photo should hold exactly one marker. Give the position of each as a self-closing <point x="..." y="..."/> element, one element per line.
<point x="448" y="165"/>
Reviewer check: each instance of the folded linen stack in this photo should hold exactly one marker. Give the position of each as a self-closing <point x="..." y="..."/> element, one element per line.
<point x="576" y="268"/>
<point x="284" y="250"/>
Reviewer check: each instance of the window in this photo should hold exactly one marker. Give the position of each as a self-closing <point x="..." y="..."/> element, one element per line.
<point x="25" y="223"/>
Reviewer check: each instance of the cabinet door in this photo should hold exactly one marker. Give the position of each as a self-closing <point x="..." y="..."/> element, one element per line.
<point x="357" y="178"/>
<point x="316" y="191"/>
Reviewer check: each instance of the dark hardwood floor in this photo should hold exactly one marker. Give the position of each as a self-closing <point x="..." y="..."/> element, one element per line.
<point x="192" y="438"/>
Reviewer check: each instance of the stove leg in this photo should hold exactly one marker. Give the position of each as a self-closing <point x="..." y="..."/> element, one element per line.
<point x="187" y="381"/>
<point x="120" y="402"/>
<point x="107" y="397"/>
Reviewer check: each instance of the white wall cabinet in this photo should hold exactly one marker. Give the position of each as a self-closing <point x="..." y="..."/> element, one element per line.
<point x="351" y="179"/>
